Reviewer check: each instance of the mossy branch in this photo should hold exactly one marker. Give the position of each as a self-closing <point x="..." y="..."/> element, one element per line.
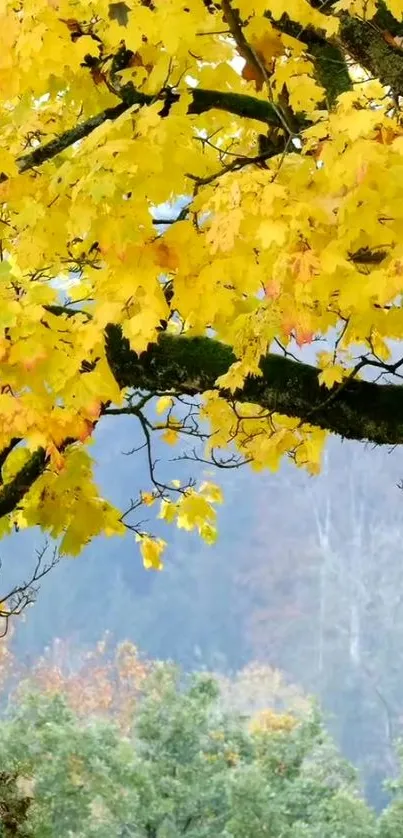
<point x="203" y="100"/>
<point x="370" y="48"/>
<point x="359" y="410"/>
<point x="12" y="493"/>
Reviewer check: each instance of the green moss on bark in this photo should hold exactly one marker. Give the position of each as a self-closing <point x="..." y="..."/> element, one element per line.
<point x="331" y="69"/>
<point x="368" y="47"/>
<point x="357" y="410"/>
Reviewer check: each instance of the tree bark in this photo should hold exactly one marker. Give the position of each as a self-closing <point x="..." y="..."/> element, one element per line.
<point x="239" y="104"/>
<point x="355" y="409"/>
<point x="371" y="46"/>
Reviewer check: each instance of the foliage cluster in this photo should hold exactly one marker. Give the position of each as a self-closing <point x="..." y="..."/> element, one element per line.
<point x="277" y="127"/>
<point x="184" y="766"/>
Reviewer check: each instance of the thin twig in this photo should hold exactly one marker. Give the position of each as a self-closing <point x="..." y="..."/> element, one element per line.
<point x="18" y="598"/>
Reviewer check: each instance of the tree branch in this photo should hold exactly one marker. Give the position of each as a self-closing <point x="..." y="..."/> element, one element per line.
<point x="12" y="493"/>
<point x="238" y="104"/>
<point x="203" y="101"/>
<point x="51" y="149"/>
<point x="368" y="43"/>
<point x="359" y="410"/>
<point x="20" y="596"/>
<point x="233" y="19"/>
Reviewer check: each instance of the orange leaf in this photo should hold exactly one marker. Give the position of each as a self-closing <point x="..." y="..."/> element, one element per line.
<point x="85" y="430"/>
<point x="92" y="411"/>
<point x="305" y="265"/>
<point x="272" y="288"/>
<point x="251" y="73"/>
<point x="166" y="256"/>
<point x="303" y="336"/>
<point x="56" y="458"/>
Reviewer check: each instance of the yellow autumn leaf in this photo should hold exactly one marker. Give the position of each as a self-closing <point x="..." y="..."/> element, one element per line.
<point x="14" y="463"/>
<point x="379" y="346"/>
<point x="148" y="498"/>
<point x="208" y="533"/>
<point x="252" y="7"/>
<point x="194" y="511"/>
<point x="272" y="232"/>
<point x="302" y="12"/>
<point x="151" y="550"/>
<point x="211" y="492"/>
<point x="331" y="375"/>
<point x="325" y="359"/>
<point x="395" y="7"/>
<point x="163" y="404"/>
<point x="170" y="436"/>
<point x="168" y="511"/>
<point x="234" y="378"/>
<point x="8" y="166"/>
<point x="264" y="38"/>
<point x="365" y="9"/>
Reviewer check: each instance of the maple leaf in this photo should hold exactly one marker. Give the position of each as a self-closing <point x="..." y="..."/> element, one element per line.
<point x="211" y="492"/>
<point x="331" y="375"/>
<point x="168" y="511"/>
<point x="148" y="498"/>
<point x="163" y="404"/>
<point x="395" y="7"/>
<point x="194" y="511"/>
<point x="151" y="550"/>
<point x="170" y="436"/>
<point x="305" y="265"/>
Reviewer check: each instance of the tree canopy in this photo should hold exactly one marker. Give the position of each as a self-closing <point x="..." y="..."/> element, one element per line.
<point x="192" y="194"/>
<point x="183" y="767"/>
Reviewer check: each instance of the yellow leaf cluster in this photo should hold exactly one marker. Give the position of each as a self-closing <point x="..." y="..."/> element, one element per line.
<point x="269" y="254"/>
<point x="261" y="438"/>
<point x="194" y="510"/>
<point x="271" y="722"/>
<point x="151" y="550"/>
<point x="65" y="502"/>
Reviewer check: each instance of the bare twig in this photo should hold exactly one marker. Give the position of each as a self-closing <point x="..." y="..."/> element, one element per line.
<point x="20" y="596"/>
<point x="230" y="462"/>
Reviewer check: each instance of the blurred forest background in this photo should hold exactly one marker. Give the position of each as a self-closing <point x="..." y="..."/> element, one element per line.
<point x="306" y="579"/>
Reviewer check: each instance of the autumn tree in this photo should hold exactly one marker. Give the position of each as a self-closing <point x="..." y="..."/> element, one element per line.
<point x="103" y="682"/>
<point x="184" y="768"/>
<point x="188" y="191"/>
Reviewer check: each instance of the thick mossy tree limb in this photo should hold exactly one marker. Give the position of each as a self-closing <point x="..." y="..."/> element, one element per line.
<point x="328" y="57"/>
<point x="331" y="69"/>
<point x="355" y="410"/>
<point x="238" y="104"/>
<point x="368" y="45"/>
<point x="370" y="42"/>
